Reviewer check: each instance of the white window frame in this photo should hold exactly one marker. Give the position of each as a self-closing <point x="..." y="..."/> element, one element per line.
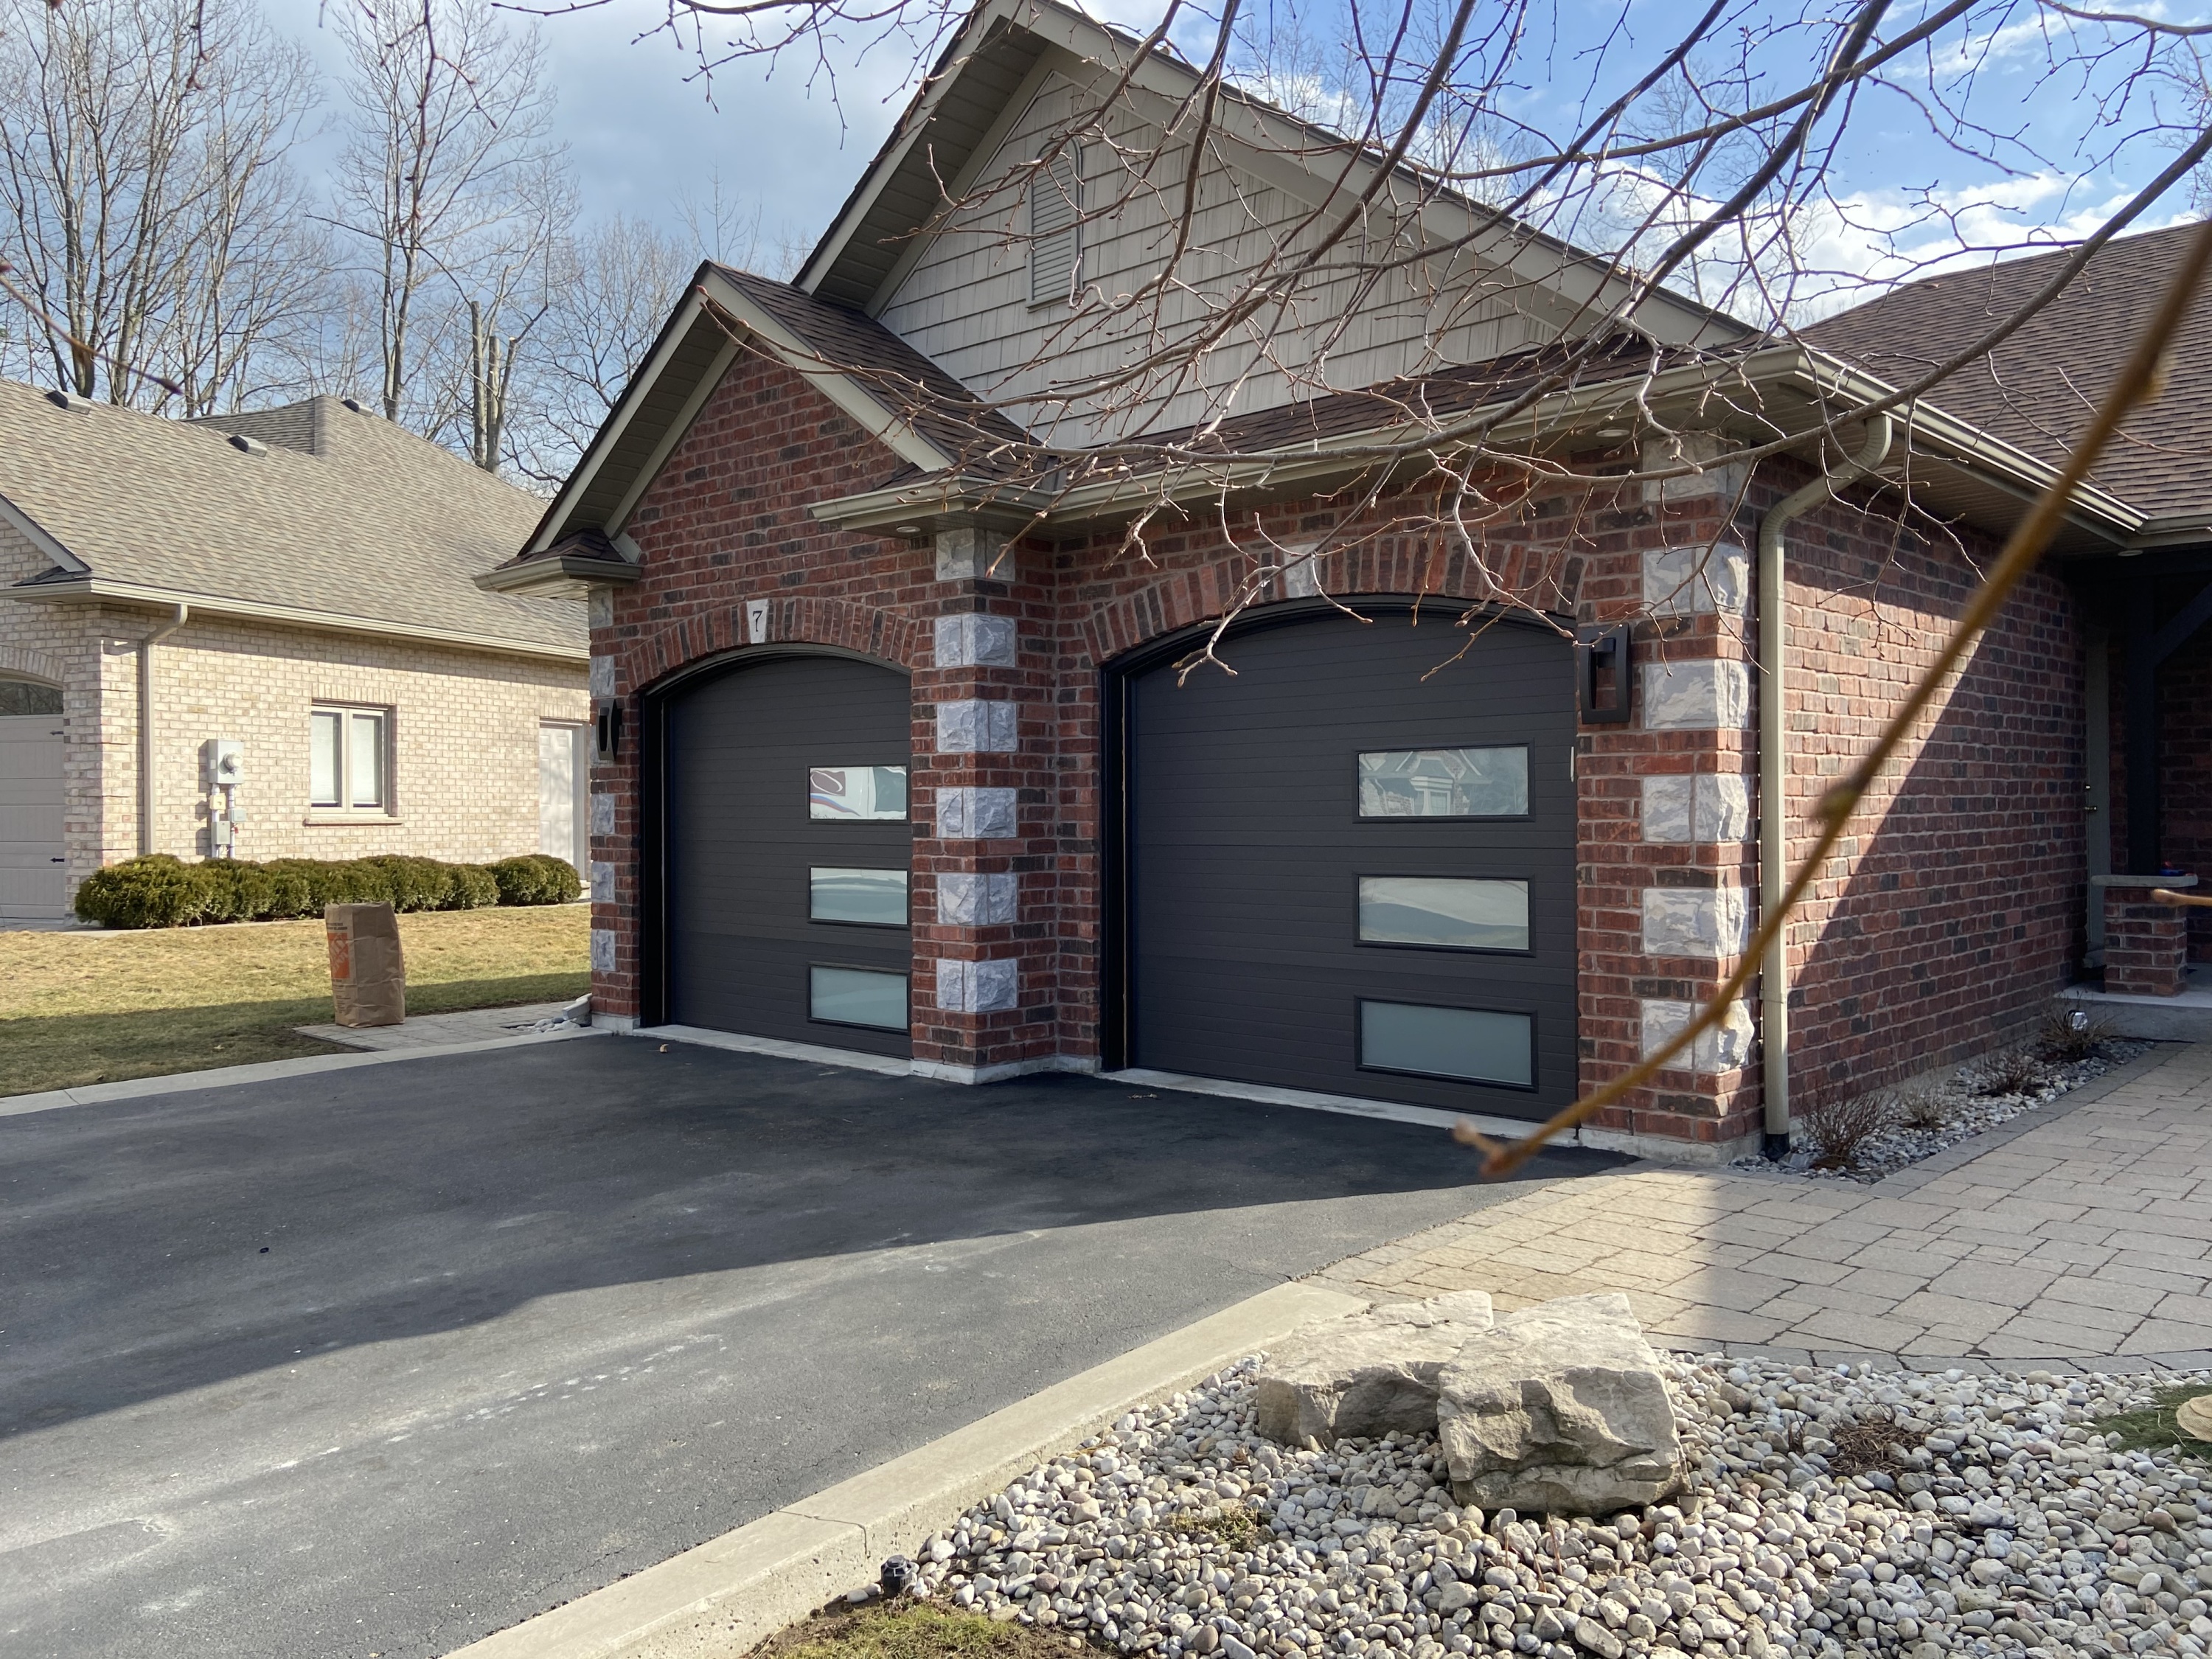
<point x="347" y="712"/>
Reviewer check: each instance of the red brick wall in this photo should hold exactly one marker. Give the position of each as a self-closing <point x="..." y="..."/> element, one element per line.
<point x="1918" y="946"/>
<point x="1955" y="905"/>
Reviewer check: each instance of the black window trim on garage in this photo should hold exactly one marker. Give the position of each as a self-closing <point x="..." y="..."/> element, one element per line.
<point x="653" y="702"/>
<point x="1117" y="678"/>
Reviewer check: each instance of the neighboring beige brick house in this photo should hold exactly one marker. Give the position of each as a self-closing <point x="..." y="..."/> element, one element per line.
<point x="296" y="582"/>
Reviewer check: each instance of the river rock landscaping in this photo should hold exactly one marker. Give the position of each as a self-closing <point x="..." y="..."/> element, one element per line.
<point x="1901" y="1127"/>
<point x="1835" y="1511"/>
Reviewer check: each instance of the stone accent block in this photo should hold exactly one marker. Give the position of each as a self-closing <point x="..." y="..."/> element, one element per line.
<point x="602" y="815"/>
<point x="1702" y="695"/>
<point x="1682" y="581"/>
<point x="602" y="950"/>
<point x="973" y="642"/>
<point x="1673" y="450"/>
<point x="965" y="899"/>
<point x="1726" y="1048"/>
<point x="966" y="556"/>
<point x="976" y="726"/>
<point x="603" y="676"/>
<point x="602" y="883"/>
<point x="1703" y="806"/>
<point x="965" y="813"/>
<point x="977" y="988"/>
<point x="1695" y="921"/>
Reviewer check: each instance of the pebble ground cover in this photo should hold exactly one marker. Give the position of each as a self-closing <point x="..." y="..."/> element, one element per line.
<point x="1828" y="1512"/>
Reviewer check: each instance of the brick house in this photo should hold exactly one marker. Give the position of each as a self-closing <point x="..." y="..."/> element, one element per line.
<point x="896" y="758"/>
<point x="294" y="581"/>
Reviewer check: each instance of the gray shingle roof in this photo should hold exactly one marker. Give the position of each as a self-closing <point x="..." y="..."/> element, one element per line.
<point x="342" y="513"/>
<point x="2038" y="390"/>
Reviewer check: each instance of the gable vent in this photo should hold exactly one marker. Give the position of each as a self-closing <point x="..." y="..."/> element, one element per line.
<point x="1055" y="226"/>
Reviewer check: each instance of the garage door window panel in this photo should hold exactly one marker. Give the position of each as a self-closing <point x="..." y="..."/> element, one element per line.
<point x="1445" y="783"/>
<point x="1466" y="1045"/>
<point x="856" y="996"/>
<point x="856" y="794"/>
<point x="1445" y="913"/>
<point x="860" y="898"/>
<point x="19" y="697"/>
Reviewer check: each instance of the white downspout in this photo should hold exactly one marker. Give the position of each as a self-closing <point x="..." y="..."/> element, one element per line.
<point x="1773" y="736"/>
<point x="146" y="725"/>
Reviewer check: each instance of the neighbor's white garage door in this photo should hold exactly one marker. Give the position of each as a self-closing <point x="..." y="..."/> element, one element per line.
<point x="32" y="884"/>
<point x="563" y="769"/>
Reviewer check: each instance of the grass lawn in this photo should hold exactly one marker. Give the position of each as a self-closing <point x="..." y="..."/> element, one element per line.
<point x="98" y="1007"/>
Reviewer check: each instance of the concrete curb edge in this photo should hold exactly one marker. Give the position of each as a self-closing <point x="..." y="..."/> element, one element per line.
<point x="264" y="1071"/>
<point x="722" y="1596"/>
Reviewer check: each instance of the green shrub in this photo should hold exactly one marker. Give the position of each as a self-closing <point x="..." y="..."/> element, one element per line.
<point x="234" y="891"/>
<point x="154" y="891"/>
<point x="162" y="891"/>
<point x="536" y="878"/>
<point x="475" y="887"/>
<point x="413" y="884"/>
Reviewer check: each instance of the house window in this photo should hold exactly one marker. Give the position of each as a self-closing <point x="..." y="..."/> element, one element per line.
<point x="349" y="766"/>
<point x="1055" y="225"/>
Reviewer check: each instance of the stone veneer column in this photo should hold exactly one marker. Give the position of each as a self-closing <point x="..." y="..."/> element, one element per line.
<point x="1666" y="800"/>
<point x="977" y="808"/>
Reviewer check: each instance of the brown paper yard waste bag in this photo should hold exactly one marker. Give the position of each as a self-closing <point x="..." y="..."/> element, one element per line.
<point x="368" y="982"/>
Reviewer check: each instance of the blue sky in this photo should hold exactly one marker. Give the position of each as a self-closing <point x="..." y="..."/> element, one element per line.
<point x="644" y="132"/>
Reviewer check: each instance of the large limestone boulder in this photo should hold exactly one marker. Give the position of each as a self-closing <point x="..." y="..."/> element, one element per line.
<point x="1363" y="1377"/>
<point x="1559" y="1409"/>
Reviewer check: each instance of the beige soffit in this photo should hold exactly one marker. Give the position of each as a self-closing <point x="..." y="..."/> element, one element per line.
<point x="1819" y="380"/>
<point x="79" y="589"/>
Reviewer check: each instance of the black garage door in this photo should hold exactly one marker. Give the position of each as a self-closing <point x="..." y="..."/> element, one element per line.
<point x="1346" y="877"/>
<point x="787" y="849"/>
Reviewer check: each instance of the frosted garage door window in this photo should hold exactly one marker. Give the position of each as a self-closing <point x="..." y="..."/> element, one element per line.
<point x="856" y="794"/>
<point x="1472" y="1045"/>
<point x="875" y="898"/>
<point x="854" y="996"/>
<point x="1445" y="783"/>
<point x="1445" y="911"/>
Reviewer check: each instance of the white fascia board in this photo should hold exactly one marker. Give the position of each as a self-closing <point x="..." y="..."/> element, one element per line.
<point x="840" y="388"/>
<point x="87" y="588"/>
<point x="39" y="537"/>
<point x="556" y="518"/>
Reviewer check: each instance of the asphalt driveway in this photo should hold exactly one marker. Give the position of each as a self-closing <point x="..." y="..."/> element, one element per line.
<point x="376" y="1362"/>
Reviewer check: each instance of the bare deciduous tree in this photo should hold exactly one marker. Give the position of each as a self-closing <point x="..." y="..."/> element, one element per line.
<point x="450" y="186"/>
<point x="147" y="200"/>
<point x="615" y="284"/>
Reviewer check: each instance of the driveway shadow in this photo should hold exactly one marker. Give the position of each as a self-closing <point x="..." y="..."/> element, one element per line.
<point x="151" y="1247"/>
